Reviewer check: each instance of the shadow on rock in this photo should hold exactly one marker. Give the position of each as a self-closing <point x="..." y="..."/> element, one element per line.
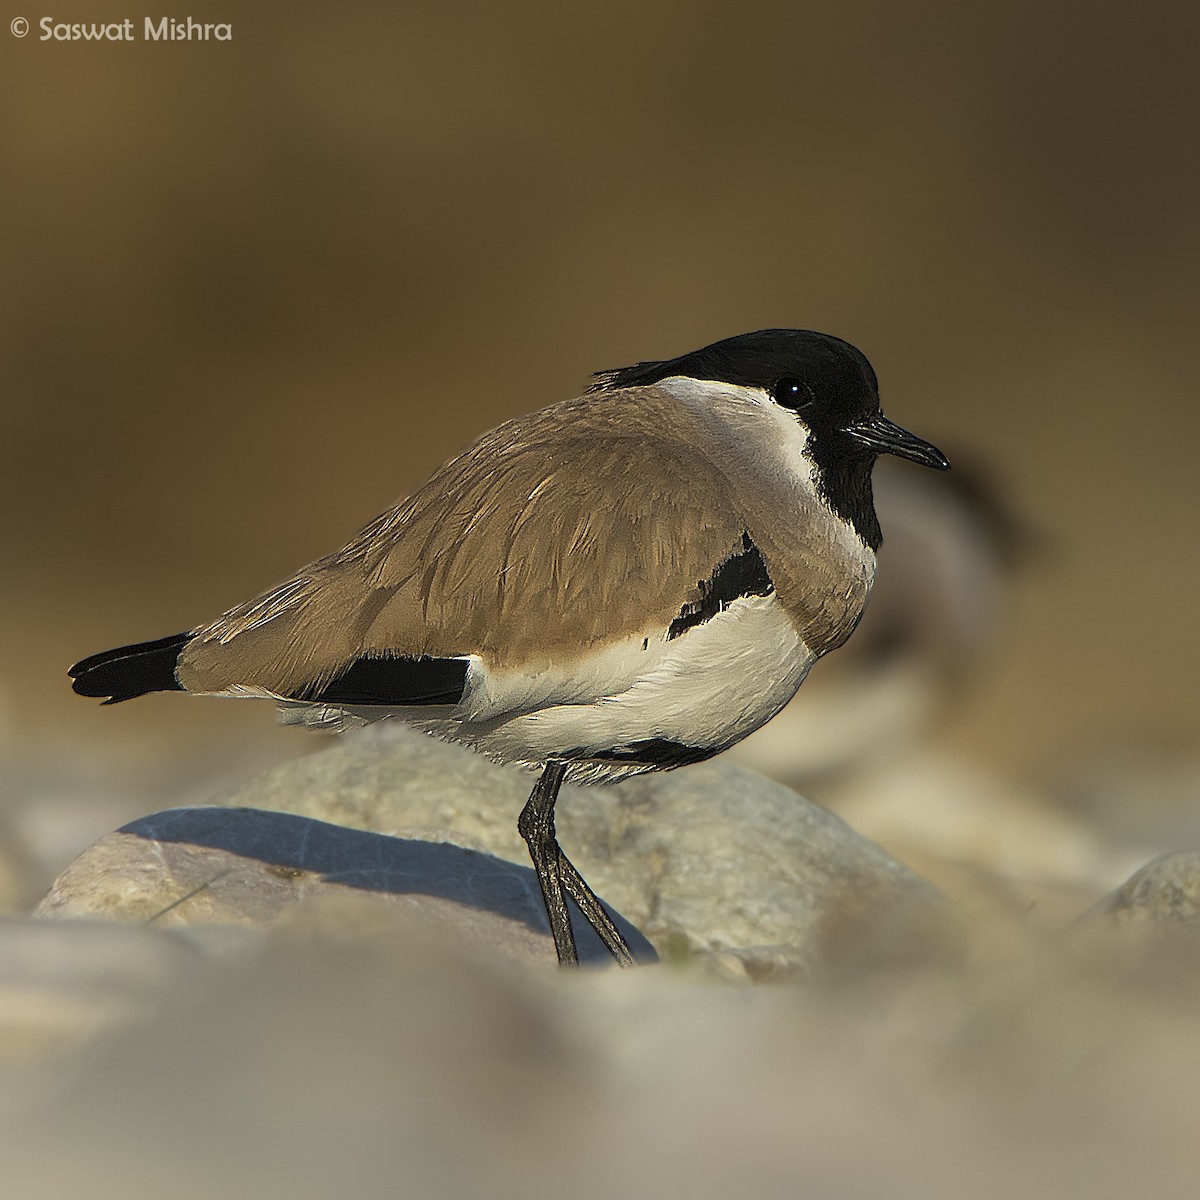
<point x="251" y="867"/>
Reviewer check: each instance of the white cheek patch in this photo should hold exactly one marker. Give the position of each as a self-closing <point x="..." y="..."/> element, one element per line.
<point x="773" y="440"/>
<point x="776" y="438"/>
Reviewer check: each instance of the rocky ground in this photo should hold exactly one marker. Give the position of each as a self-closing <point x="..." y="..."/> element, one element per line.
<point x="335" y="978"/>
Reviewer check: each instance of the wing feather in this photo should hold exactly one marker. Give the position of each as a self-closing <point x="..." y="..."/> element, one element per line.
<point x="588" y="521"/>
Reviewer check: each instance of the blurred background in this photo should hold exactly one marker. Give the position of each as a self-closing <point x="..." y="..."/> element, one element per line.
<point x="254" y="292"/>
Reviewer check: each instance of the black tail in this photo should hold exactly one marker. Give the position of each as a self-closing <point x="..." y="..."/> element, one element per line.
<point x="130" y="671"/>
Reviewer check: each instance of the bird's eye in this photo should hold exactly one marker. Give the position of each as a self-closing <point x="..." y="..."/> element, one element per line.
<point x="793" y="393"/>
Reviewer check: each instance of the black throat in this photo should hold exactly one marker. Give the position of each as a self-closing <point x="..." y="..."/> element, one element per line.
<point x="844" y="483"/>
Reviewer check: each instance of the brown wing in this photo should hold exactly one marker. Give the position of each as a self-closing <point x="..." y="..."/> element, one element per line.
<point x="587" y="521"/>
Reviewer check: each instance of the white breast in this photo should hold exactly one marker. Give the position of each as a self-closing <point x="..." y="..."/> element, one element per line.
<point x="706" y="689"/>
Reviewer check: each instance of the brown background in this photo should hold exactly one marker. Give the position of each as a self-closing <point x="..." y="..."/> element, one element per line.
<point x="254" y="292"/>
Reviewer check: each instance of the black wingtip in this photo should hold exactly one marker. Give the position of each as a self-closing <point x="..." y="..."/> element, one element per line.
<point x="129" y="671"/>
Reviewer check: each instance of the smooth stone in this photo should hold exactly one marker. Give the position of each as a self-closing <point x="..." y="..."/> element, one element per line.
<point x="1163" y="897"/>
<point x="395" y="1062"/>
<point x="998" y="849"/>
<point x="62" y="981"/>
<point x="399" y="1064"/>
<point x="705" y="859"/>
<point x="214" y="866"/>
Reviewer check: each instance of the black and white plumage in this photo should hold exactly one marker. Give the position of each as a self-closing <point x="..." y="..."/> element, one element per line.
<point x="632" y="580"/>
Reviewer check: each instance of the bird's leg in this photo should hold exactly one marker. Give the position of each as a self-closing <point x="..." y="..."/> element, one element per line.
<point x="536" y="825"/>
<point x="590" y="906"/>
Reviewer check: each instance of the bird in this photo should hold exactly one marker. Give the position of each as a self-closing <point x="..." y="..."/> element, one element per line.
<point x="632" y="580"/>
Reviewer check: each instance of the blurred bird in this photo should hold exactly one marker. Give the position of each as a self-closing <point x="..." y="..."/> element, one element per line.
<point x="625" y="582"/>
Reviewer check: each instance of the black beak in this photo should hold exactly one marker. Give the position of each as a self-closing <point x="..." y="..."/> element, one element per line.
<point x="884" y="437"/>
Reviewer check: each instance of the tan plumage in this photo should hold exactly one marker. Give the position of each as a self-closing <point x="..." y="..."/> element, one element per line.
<point x="505" y="552"/>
